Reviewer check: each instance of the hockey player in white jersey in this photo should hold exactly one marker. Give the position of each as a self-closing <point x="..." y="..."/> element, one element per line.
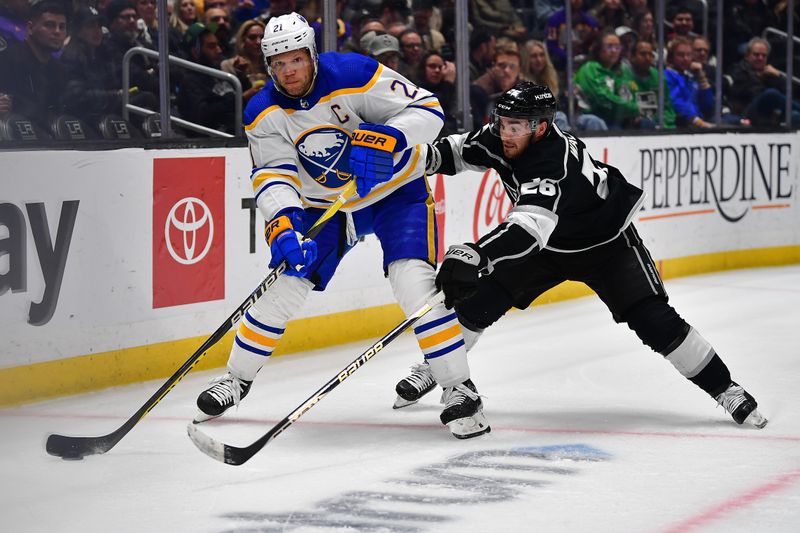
<point x="321" y="122"/>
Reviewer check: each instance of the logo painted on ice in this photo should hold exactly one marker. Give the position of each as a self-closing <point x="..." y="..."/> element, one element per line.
<point x="325" y="155"/>
<point x="188" y="218"/>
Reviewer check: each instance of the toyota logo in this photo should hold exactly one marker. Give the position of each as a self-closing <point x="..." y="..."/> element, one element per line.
<point x="188" y="216"/>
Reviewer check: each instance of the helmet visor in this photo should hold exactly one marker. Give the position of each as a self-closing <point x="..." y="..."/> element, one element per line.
<point x="510" y="127"/>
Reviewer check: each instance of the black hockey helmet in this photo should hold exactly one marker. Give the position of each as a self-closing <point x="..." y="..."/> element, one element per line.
<point x="525" y="100"/>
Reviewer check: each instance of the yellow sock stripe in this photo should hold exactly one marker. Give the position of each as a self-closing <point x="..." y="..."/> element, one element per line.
<point x="440" y="337"/>
<point x="251" y="335"/>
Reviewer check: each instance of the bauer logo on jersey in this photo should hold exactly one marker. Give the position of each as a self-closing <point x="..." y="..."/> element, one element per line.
<point x="188" y="230"/>
<point x="325" y="155"/>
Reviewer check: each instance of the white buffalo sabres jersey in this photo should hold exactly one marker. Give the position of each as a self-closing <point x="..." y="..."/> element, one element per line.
<point x="301" y="146"/>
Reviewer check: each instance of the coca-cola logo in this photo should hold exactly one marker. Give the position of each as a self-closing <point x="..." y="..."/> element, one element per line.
<point x="491" y="205"/>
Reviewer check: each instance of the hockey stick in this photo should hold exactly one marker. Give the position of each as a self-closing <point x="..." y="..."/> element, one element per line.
<point x="232" y="455"/>
<point x="77" y="447"/>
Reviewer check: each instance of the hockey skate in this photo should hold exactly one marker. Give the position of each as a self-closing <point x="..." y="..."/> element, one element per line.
<point x="742" y="406"/>
<point x="413" y="387"/>
<point x="224" y="392"/>
<point x="463" y="411"/>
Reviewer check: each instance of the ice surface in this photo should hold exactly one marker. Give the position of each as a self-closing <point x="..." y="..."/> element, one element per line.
<point x="591" y="431"/>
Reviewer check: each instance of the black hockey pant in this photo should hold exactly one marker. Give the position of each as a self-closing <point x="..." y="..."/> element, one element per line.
<point x="623" y="275"/>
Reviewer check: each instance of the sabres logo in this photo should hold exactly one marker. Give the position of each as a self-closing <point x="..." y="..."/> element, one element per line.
<point x="325" y="154"/>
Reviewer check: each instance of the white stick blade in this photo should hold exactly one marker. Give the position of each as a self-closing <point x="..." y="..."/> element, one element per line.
<point x="204" y="443"/>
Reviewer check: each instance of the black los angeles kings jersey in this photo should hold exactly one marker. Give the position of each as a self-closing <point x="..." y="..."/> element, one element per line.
<point x="563" y="200"/>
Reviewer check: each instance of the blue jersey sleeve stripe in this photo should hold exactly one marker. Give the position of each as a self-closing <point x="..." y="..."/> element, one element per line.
<point x="438" y="114"/>
<point x="434" y="323"/>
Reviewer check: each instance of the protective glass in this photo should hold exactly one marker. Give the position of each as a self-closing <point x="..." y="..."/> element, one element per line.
<point x="513" y="128"/>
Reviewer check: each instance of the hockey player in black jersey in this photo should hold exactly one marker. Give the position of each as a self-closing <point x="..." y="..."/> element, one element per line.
<point x="571" y="220"/>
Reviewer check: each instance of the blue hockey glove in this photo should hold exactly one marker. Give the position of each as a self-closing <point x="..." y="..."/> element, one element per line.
<point x="286" y="243"/>
<point x="458" y="275"/>
<point x="371" y="154"/>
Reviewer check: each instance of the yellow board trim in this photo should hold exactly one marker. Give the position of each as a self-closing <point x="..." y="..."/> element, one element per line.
<point x="52" y="379"/>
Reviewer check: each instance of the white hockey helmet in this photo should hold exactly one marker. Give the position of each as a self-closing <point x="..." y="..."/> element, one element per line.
<point x="284" y="34"/>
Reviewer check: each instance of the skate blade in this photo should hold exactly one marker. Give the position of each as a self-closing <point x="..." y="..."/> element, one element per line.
<point x="201" y="417"/>
<point x="401" y="402"/>
<point x="469" y="426"/>
<point x="756" y="419"/>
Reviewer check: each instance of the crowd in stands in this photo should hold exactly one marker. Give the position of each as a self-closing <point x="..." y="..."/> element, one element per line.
<point x="61" y="61"/>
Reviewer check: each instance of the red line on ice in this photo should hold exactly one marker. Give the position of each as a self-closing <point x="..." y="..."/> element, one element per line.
<point x="738" y="502"/>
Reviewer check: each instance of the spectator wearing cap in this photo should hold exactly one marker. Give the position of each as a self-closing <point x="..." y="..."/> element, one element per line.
<point x="13" y="21"/>
<point x="385" y="49"/>
<point x="499" y="16"/>
<point x="758" y="88"/>
<point x="360" y="24"/>
<point x="122" y="33"/>
<point x="482" y="44"/>
<point x="32" y="80"/>
<point x="367" y="38"/>
<point x="248" y="63"/>
<point x="411" y="50"/>
<point x="628" y="39"/>
<point x="585" y="29"/>
<point x="202" y="99"/>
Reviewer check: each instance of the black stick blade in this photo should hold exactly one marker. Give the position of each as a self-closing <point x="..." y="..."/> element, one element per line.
<point x="77" y="447"/>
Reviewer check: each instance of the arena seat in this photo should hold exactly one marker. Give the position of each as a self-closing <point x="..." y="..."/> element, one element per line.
<point x="70" y="128"/>
<point x="116" y="127"/>
<point x="17" y="127"/>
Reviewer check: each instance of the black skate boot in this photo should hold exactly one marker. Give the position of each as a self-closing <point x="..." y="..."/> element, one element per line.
<point x="224" y="392"/>
<point x="741" y="405"/>
<point x="463" y="411"/>
<point x="413" y="387"/>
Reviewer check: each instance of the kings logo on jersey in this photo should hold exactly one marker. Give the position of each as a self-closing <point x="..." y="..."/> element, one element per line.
<point x="325" y="155"/>
<point x="188" y="230"/>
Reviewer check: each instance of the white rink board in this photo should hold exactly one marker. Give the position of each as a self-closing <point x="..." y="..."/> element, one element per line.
<point x="106" y="296"/>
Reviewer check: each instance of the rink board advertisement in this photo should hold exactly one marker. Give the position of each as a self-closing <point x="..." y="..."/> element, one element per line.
<point x="111" y="250"/>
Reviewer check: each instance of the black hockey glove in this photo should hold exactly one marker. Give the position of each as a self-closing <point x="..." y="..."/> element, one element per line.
<point x="458" y="276"/>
